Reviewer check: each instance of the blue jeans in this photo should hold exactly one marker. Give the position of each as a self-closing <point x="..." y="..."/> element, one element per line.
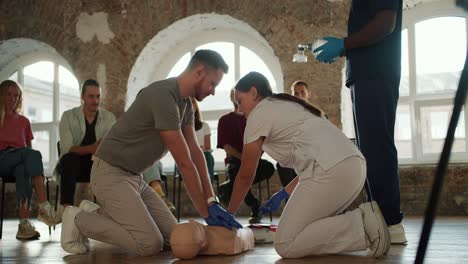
<point x="22" y="164"/>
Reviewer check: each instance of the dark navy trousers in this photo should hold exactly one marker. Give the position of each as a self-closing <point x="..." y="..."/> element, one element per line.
<point x="374" y="107"/>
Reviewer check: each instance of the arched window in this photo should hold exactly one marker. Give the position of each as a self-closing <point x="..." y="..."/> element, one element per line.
<point x="242" y="47"/>
<point x="49" y="89"/>
<point x="241" y="60"/>
<point x="434" y="46"/>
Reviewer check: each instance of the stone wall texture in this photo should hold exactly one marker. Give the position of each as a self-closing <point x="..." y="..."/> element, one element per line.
<point x="111" y="50"/>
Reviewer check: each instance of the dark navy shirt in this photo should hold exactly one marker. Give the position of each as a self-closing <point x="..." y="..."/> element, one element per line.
<point x="378" y="61"/>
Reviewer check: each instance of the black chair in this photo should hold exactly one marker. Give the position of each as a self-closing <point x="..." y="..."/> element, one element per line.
<point x="268" y="193"/>
<point x="11" y="179"/>
<point x="178" y="179"/>
<point x="58" y="184"/>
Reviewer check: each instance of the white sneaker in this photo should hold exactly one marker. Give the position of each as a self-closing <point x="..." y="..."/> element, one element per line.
<point x="51" y="217"/>
<point x="376" y="229"/>
<point x="71" y="238"/>
<point x="27" y="231"/>
<point x="89" y="207"/>
<point x="397" y="234"/>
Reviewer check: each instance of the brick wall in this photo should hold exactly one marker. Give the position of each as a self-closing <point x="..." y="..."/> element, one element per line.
<point x="416" y="184"/>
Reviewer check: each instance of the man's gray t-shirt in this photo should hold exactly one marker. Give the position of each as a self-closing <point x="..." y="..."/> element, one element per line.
<point x="134" y="143"/>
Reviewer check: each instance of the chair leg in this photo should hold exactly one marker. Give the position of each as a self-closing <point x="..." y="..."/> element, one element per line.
<point x="216" y="178"/>
<point x="269" y="196"/>
<point x="165" y="187"/>
<point x="178" y="198"/>
<point x="260" y="191"/>
<point x="174" y="186"/>
<point x="48" y="198"/>
<point x="56" y="197"/>
<point x="3" y="209"/>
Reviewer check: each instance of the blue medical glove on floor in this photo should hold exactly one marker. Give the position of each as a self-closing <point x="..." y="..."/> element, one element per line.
<point x="331" y="50"/>
<point x="274" y="203"/>
<point x="218" y="216"/>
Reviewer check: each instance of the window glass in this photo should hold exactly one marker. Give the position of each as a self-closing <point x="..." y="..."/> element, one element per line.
<point x="440" y="54"/>
<point x="38" y="91"/>
<point x="69" y="88"/>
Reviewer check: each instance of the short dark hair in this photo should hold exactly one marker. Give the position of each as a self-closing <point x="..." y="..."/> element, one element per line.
<point x="89" y="82"/>
<point x="209" y="58"/>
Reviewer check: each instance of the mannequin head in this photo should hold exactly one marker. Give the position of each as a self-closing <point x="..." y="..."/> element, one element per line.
<point x="187" y="240"/>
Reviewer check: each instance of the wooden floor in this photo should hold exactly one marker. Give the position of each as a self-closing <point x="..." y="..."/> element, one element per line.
<point x="449" y="244"/>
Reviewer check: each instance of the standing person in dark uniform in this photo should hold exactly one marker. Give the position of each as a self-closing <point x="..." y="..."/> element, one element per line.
<point x="373" y="69"/>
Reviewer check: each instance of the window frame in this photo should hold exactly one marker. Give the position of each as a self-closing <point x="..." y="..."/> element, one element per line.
<point x="411" y="17"/>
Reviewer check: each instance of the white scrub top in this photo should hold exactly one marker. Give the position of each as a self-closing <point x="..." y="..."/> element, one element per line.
<point x="295" y="137"/>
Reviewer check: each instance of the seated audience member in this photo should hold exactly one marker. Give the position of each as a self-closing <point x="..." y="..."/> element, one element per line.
<point x="81" y="130"/>
<point x="19" y="160"/>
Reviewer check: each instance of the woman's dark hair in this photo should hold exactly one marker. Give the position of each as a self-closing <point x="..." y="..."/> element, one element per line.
<point x="197" y="115"/>
<point x="262" y="85"/>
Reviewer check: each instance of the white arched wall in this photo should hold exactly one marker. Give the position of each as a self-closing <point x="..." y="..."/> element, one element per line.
<point x="162" y="52"/>
<point x="17" y="52"/>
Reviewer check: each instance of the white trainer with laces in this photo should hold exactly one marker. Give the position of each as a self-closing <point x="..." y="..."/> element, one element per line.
<point x="89" y="207"/>
<point x="397" y="234"/>
<point x="376" y="229"/>
<point x="71" y="238"/>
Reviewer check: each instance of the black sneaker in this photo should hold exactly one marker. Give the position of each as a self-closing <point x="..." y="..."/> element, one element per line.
<point x="255" y="217"/>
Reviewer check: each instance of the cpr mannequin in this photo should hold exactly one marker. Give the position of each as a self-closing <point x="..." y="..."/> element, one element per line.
<point x="192" y="238"/>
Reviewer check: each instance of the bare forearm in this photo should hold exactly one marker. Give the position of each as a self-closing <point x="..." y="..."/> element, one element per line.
<point x="200" y="163"/>
<point x="240" y="189"/>
<point x="378" y="28"/>
<point x="194" y="189"/>
<point x="292" y="185"/>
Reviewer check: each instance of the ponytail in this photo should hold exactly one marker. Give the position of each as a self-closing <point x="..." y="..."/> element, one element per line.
<point x="287" y="97"/>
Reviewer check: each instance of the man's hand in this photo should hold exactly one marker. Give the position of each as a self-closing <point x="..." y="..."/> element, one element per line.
<point x="218" y="216"/>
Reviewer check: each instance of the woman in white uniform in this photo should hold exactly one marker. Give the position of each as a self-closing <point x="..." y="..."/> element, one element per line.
<point x="331" y="173"/>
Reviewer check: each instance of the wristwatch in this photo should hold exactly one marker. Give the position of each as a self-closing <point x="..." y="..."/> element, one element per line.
<point x="213" y="199"/>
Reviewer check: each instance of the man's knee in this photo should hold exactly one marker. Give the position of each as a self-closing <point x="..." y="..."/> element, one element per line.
<point x="282" y="249"/>
<point x="287" y="250"/>
<point x="149" y="246"/>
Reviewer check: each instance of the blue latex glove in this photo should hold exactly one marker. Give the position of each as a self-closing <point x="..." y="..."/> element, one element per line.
<point x="331" y="50"/>
<point x="218" y="216"/>
<point x="274" y="203"/>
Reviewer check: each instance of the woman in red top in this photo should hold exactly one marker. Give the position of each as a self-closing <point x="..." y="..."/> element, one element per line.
<point x="19" y="160"/>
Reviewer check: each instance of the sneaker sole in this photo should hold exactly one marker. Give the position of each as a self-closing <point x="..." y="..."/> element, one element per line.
<point x="399" y="239"/>
<point x="384" y="235"/>
<point x="49" y="223"/>
<point x="36" y="236"/>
